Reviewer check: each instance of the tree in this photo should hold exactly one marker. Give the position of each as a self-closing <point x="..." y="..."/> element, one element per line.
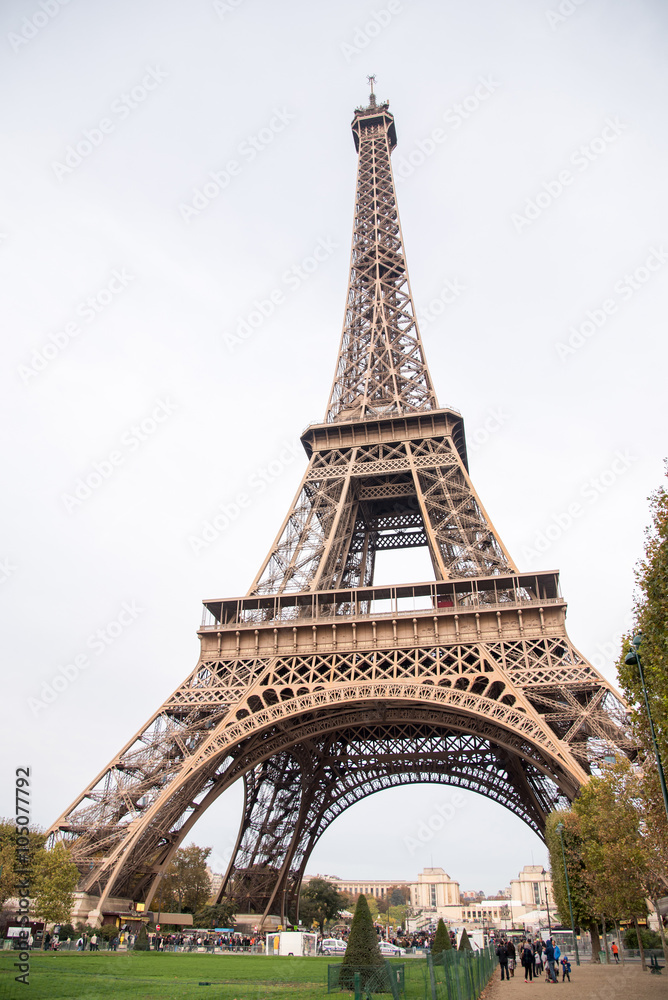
<point x="615" y="866"/>
<point x="141" y="941"/>
<point x="441" y="940"/>
<point x="16" y="861"/>
<point x="53" y="888"/>
<point x="186" y="887"/>
<point x="399" y="894"/>
<point x="464" y="943"/>
<point x="398" y="914"/>
<point x="320" y="901"/>
<point x="362" y="952"/>
<point x="651" y="618"/>
<point x="583" y="911"/>
<point x="219" y="915"/>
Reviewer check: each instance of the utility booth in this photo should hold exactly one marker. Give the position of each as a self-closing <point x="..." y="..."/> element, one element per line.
<point x="297" y="943"/>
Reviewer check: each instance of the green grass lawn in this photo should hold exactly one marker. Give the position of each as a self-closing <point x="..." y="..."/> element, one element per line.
<point x="166" y="976"/>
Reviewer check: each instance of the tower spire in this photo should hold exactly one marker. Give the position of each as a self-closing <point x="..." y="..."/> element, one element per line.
<point x="372" y="97"/>
<point x="381" y="369"/>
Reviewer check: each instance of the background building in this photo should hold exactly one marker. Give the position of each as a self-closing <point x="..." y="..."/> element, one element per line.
<point x="434" y="895"/>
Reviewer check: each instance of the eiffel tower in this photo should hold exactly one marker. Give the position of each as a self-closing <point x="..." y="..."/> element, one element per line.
<point x="319" y="688"/>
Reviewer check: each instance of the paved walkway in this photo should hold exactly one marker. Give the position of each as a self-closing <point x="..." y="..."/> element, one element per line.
<point x="588" y="982"/>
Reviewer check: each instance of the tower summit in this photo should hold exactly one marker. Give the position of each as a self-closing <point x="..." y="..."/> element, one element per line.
<point x="381" y="367"/>
<point x="318" y="688"/>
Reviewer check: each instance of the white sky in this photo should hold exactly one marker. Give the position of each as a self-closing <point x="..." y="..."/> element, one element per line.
<point x="221" y="73"/>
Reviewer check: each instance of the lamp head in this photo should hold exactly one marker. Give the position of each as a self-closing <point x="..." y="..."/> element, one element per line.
<point x="559" y="828"/>
<point x="636" y="640"/>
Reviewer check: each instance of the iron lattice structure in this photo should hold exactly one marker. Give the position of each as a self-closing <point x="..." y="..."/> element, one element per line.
<point x="318" y="688"/>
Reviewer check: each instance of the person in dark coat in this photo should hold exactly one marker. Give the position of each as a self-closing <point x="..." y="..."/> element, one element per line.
<point x="502" y="955"/>
<point x="526" y="959"/>
<point x="512" y="957"/>
<point x="550" y="972"/>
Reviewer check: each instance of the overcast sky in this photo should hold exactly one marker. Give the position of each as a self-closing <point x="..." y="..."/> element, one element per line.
<point x="536" y="232"/>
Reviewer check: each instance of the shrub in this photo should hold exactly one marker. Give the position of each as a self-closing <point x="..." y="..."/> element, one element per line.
<point x="650" y="939"/>
<point x="141" y="942"/>
<point x="362" y="952"/>
<point x="464" y="943"/>
<point x="441" y="940"/>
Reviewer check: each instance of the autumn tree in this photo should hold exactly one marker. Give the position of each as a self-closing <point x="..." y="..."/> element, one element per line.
<point x="651" y="623"/>
<point x="55" y="880"/>
<point x="651" y="619"/>
<point x="320" y="901"/>
<point x="581" y="898"/>
<point x="186" y="886"/>
<point x="615" y="863"/>
<point x="13" y="857"/>
<point x="218" y="915"/>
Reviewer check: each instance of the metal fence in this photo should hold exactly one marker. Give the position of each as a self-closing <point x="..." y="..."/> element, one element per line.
<point x="367" y="980"/>
<point x="459" y="975"/>
<point x="453" y="975"/>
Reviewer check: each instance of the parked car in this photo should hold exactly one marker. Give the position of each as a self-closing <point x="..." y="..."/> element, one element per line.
<point x="333" y="946"/>
<point x="387" y="948"/>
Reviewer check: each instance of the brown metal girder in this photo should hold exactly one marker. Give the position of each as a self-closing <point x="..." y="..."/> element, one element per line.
<point x="294" y="734"/>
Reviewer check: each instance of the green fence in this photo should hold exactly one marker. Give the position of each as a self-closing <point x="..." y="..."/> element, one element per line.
<point x="367" y="980"/>
<point x="455" y="975"/>
<point x="458" y="975"/>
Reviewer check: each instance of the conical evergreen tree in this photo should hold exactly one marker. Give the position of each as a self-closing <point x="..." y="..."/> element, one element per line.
<point x="441" y="940"/>
<point x="363" y="941"/>
<point x="141" y="941"/>
<point x="362" y="951"/>
<point x="464" y="943"/>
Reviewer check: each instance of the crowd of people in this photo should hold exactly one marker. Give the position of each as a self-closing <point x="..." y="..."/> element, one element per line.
<point x="536" y="957"/>
<point x="206" y="940"/>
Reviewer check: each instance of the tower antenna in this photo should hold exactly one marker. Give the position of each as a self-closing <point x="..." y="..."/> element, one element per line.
<point x="372" y="97"/>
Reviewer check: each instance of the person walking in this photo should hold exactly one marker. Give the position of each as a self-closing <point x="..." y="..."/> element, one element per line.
<point x="526" y="959"/>
<point x="550" y="974"/>
<point x="512" y="956"/>
<point x="502" y="955"/>
<point x="538" y="957"/>
<point x="615" y="952"/>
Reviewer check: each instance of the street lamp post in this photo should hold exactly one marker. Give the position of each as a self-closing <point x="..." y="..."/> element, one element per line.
<point x="549" y="922"/>
<point x="560" y="830"/>
<point x="633" y="656"/>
